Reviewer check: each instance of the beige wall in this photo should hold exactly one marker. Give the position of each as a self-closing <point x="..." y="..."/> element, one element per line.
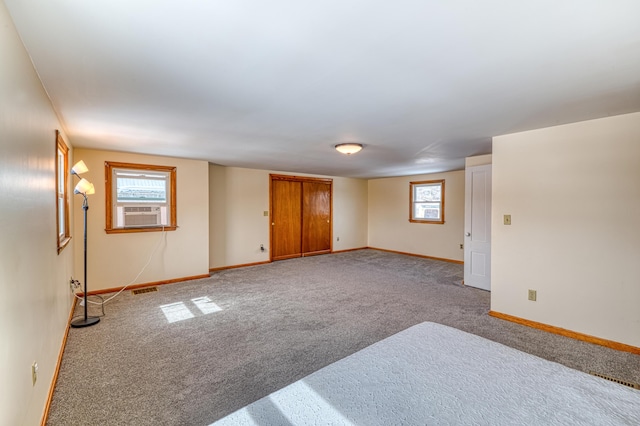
<point x="573" y="193"/>
<point x="116" y="259"/>
<point x="350" y="213"/>
<point x="478" y="160"/>
<point x="35" y="298"/>
<point x="389" y="226"/>
<point x="238" y="199"/>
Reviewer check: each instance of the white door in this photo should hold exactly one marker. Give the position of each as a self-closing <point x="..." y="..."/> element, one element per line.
<point x="477" y="227"/>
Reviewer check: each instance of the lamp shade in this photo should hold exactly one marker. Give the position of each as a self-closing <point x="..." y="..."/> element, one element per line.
<point x="84" y="187"/>
<point x="79" y="168"/>
<point x="348" y="148"/>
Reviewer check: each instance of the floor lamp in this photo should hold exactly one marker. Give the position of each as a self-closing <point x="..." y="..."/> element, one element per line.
<point x="84" y="188"/>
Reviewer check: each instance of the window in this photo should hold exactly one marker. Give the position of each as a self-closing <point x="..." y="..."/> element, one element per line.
<point x="427" y="201"/>
<point x="62" y="193"/>
<point x="140" y="197"/>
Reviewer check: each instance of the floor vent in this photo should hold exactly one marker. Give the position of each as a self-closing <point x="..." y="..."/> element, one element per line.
<point x="621" y="382"/>
<point x="144" y="290"/>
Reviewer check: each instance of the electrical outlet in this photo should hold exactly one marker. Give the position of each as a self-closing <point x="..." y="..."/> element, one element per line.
<point x="533" y="295"/>
<point x="507" y="219"/>
<point x="74" y="284"/>
<point x="461" y="246"/>
<point x="261" y="247"/>
<point x="34" y="373"/>
<point x="265" y="213"/>
<point x="337" y="238"/>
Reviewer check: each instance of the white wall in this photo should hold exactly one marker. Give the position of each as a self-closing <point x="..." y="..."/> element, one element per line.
<point x="114" y="260"/>
<point x="238" y="199"/>
<point x="389" y="226"/>
<point x="573" y="193"/>
<point x="35" y="299"/>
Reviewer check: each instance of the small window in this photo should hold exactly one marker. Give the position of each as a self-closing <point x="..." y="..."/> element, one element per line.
<point x="140" y="197"/>
<point x="62" y="193"/>
<point x="427" y="201"/>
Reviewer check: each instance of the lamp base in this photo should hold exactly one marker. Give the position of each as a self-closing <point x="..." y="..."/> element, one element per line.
<point x="85" y="322"/>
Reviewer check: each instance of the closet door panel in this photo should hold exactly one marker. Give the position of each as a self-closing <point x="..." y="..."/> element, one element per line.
<point x="286" y="232"/>
<point x="316" y="217"/>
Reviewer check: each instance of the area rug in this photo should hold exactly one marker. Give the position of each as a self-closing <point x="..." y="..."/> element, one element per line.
<point x="434" y="374"/>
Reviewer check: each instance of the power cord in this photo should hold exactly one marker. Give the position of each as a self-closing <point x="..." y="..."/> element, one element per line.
<point x="96" y="303"/>
<point x="75" y="284"/>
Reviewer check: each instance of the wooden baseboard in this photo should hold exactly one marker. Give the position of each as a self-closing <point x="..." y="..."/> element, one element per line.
<point x="56" y="372"/>
<point x="149" y="284"/>
<point x="316" y="253"/>
<point x="460" y="262"/>
<point x="222" y="268"/>
<point x="567" y="333"/>
<point x="348" y="250"/>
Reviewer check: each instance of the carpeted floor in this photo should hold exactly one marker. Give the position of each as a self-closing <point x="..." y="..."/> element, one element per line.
<point x="394" y="382"/>
<point x="193" y="352"/>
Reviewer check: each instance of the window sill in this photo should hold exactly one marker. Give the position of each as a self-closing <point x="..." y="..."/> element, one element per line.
<point x="141" y="229"/>
<point x="436" y="222"/>
<point x="62" y="244"/>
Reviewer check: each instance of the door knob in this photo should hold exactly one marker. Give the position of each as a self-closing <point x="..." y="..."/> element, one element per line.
<point x="468" y="234"/>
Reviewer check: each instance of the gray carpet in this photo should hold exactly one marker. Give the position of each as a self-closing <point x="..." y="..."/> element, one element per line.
<point x="267" y="326"/>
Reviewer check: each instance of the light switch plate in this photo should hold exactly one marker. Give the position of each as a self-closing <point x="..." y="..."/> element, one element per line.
<point x="507" y="219"/>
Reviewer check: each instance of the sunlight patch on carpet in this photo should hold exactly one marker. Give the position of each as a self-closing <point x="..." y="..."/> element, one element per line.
<point x="295" y="407"/>
<point x="175" y="312"/>
<point x="206" y="305"/>
<point x="179" y="311"/>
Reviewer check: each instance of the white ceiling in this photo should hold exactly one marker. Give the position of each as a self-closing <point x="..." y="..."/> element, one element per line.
<point x="276" y="84"/>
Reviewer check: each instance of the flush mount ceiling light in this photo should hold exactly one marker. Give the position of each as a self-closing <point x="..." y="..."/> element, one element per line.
<point x="348" y="148"/>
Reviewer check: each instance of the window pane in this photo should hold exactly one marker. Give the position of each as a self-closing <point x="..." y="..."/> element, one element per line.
<point x="141" y="190"/>
<point x="427" y="193"/>
<point x="426" y="211"/>
<point x="61" y="169"/>
<point x="61" y="220"/>
<point x="61" y="196"/>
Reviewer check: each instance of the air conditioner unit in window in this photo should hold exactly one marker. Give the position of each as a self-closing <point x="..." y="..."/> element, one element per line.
<point x="142" y="216"/>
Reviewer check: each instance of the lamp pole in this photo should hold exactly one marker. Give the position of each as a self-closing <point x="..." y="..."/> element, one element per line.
<point x="86" y="321"/>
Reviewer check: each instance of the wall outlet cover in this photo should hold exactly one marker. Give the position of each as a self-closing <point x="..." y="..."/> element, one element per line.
<point x="34" y="373"/>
